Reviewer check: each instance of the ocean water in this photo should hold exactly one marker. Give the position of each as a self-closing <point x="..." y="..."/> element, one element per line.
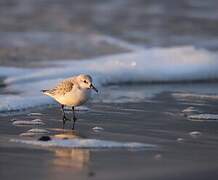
<point x="132" y="72"/>
<point x="164" y="44"/>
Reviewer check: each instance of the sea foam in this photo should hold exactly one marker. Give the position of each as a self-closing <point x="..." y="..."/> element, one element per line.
<point x="87" y="144"/>
<point x="139" y="66"/>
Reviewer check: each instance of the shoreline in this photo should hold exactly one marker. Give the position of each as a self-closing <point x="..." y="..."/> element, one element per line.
<point x="158" y="122"/>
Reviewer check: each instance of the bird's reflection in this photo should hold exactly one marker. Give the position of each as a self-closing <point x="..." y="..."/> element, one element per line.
<point x="75" y="159"/>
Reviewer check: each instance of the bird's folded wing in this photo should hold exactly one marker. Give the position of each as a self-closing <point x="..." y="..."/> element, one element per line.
<point x="62" y="88"/>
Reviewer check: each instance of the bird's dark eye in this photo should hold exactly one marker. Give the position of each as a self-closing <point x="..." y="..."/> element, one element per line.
<point x="85" y="81"/>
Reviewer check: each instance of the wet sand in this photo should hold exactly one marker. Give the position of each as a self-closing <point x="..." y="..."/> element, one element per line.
<point x="159" y="121"/>
<point x="33" y="33"/>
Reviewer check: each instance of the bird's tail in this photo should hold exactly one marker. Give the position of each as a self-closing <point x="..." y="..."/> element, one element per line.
<point x="44" y="90"/>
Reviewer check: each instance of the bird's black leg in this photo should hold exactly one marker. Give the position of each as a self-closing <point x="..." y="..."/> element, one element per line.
<point x="64" y="118"/>
<point x="63" y="115"/>
<point x="74" y="118"/>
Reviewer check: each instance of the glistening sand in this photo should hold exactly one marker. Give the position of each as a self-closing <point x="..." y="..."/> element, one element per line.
<point x="159" y="122"/>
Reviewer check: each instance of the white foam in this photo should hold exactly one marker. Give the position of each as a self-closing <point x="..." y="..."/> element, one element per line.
<point x="87" y="144"/>
<point x="35" y="114"/>
<point x="97" y="129"/>
<point x="195" y="134"/>
<point x="147" y="65"/>
<point x="27" y="122"/>
<point x="37" y="120"/>
<point x="180" y="140"/>
<point x="34" y="132"/>
<point x="186" y="96"/>
<point x="38" y="130"/>
<point x="190" y="110"/>
<point x="157" y="64"/>
<point x="203" y="117"/>
<point x="28" y="134"/>
<point x="21" y="102"/>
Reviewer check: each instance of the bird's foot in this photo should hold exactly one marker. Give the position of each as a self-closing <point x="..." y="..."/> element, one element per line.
<point x="65" y="119"/>
<point x="74" y="121"/>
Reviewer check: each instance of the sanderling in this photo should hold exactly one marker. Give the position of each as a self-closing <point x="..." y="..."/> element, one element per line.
<point x="73" y="91"/>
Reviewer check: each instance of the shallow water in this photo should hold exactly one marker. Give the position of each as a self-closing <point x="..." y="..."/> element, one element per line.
<point x="185" y="149"/>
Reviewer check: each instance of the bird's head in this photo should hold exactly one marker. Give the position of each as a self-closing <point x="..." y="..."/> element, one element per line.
<point x="85" y="81"/>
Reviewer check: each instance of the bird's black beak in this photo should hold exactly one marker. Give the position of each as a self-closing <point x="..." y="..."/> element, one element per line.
<point x="94" y="88"/>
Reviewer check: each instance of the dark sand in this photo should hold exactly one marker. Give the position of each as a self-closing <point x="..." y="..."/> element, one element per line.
<point x="158" y="122"/>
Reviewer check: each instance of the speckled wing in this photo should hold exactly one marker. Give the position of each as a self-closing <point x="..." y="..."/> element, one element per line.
<point x="61" y="89"/>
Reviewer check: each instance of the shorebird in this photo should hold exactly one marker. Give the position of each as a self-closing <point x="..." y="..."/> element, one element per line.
<point x="73" y="91"/>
